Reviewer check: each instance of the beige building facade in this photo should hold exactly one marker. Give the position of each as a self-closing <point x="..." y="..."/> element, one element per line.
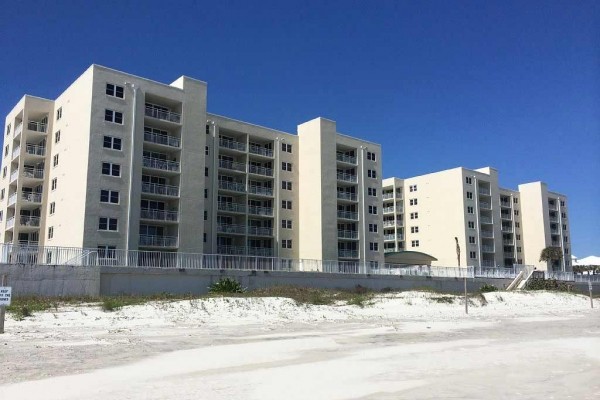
<point x="494" y="226"/>
<point x="123" y="162"/>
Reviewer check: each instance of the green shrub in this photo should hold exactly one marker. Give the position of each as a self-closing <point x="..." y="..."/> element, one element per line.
<point x="226" y="285"/>
<point x="443" y="299"/>
<point x="485" y="288"/>
<point x="550" y="284"/>
<point x="112" y="304"/>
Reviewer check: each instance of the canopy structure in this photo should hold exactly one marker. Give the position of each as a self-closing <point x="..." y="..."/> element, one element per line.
<point x="409" y="258"/>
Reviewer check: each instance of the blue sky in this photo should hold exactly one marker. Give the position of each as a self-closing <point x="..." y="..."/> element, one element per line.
<point x="440" y="84"/>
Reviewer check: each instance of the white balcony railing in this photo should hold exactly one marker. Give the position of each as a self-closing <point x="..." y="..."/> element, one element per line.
<point x="260" y="231"/>
<point x="163" y="115"/>
<point x="506" y="216"/>
<point x="388" y="224"/>
<point x="166" y="140"/>
<point x="345" y="158"/>
<point x="483" y="191"/>
<point x="256" y="210"/>
<point x="32" y="197"/>
<point x="231" y="228"/>
<point x="12" y="199"/>
<point x="232" y="165"/>
<point x="16" y="152"/>
<point x="10" y="222"/>
<point x="14" y="175"/>
<point x="163" y="190"/>
<point x="487" y="234"/>
<point x="233" y="186"/>
<point x="37" y="126"/>
<point x="255" y="169"/>
<point x="159" y="215"/>
<point x="35" y="150"/>
<point x="347" y="253"/>
<point x="388" y="210"/>
<point x="485" y="220"/>
<point x="231" y="207"/>
<point x="485" y="204"/>
<point x="487" y="249"/>
<point x="18" y="130"/>
<point x="156" y="163"/>
<point x="33" y="173"/>
<point x="262" y="151"/>
<point x="553" y="219"/>
<point x="260" y="251"/>
<point x="26" y="220"/>
<point x="260" y="190"/>
<point x="232" y="144"/>
<point x="506" y="228"/>
<point x="389" y="237"/>
<point x="346" y="177"/>
<point x="158" y="241"/>
<point x="388" y="196"/>
<point x="346" y="196"/>
<point x="239" y="250"/>
<point x="505" y="204"/>
<point x="344" y="234"/>
<point x="347" y="215"/>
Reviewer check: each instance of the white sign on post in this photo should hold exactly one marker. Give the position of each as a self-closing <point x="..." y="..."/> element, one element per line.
<point x="5" y="295"/>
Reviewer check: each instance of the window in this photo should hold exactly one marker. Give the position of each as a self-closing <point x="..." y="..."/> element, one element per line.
<point x="472" y="255"/>
<point x="286" y="166"/>
<point x="113" y="116"/>
<point x="469" y="180"/>
<point x="470" y="210"/>
<point x="114" y="90"/>
<point x="414" y="215"/>
<point x="204" y="237"/>
<point x="372" y="209"/>
<point x="562" y="203"/>
<point x="564" y="227"/>
<point x="515" y="200"/>
<point x="111" y="169"/>
<point x="413" y="202"/>
<point x="563" y="215"/>
<point x="105" y="251"/>
<point x="57" y="137"/>
<point x="471" y="224"/>
<point x="286" y="147"/>
<point x="414" y="243"/>
<point x="286" y="185"/>
<point x="371" y="156"/>
<point x="517" y="224"/>
<point x="518" y="249"/>
<point x="55" y="160"/>
<point x="107" y="224"/>
<point x="412" y="188"/>
<point x="372" y="192"/>
<point x="207" y="129"/>
<point x="59" y="113"/>
<point x="371" y="173"/>
<point x="471" y="239"/>
<point x="4" y="172"/>
<point x="516" y="212"/>
<point x="373" y="228"/>
<point x="2" y="194"/>
<point x="566" y="250"/>
<point x="205" y="215"/>
<point x="205" y="171"/>
<point x="286" y="204"/>
<point x="54" y="183"/>
<point x="566" y="239"/>
<point x="414" y="229"/>
<point x="109" y="196"/>
<point x="112" y="143"/>
<point x="6" y="151"/>
<point x="50" y="232"/>
<point x="206" y="151"/>
<point x="206" y="193"/>
<point x="286" y="223"/>
<point x="470" y="195"/>
<point x="1" y="215"/>
<point x="518" y="237"/>
<point x="8" y="129"/>
<point x="52" y="208"/>
<point x="374" y="246"/>
<point x="286" y="244"/>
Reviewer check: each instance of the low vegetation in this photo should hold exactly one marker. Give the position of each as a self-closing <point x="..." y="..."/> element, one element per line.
<point x="226" y="286"/>
<point x="547" y="284"/>
<point x="486" y="288"/>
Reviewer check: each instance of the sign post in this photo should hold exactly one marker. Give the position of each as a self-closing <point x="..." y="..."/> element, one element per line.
<point x="5" y="295"/>
<point x="591" y="297"/>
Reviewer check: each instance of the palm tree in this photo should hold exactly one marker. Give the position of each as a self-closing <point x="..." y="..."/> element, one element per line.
<point x="552" y="254"/>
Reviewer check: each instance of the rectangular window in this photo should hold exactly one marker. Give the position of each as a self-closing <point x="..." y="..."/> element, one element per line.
<point x="8" y="129"/>
<point x="414" y="229"/>
<point x="413" y="202"/>
<point x="374" y="246"/>
<point x="286" y="223"/>
<point x="286" y="147"/>
<point x="112" y="143"/>
<point x="206" y="215"/>
<point x="518" y="249"/>
<point x="412" y="188"/>
<point x="206" y="150"/>
<point x="371" y="173"/>
<point x="111" y="169"/>
<point x="414" y="243"/>
<point x="107" y="224"/>
<point x="564" y="227"/>
<point x="50" y="232"/>
<point x="518" y="237"/>
<point x="205" y="171"/>
<point x="372" y="192"/>
<point x="472" y="255"/>
<point x="562" y="203"/>
<point x="1" y="215"/>
<point x="286" y="244"/>
<point x="55" y="160"/>
<point x="515" y="200"/>
<point x="59" y="113"/>
<point x="516" y="212"/>
<point x="469" y="180"/>
<point x="286" y="204"/>
<point x="470" y="195"/>
<point x="105" y="252"/>
<point x="115" y="90"/>
<point x="373" y="210"/>
<point x="57" y="137"/>
<point x="471" y="239"/>
<point x="109" y="196"/>
<point x="471" y="224"/>
<point x="52" y="208"/>
<point x="286" y="166"/>
<point x="470" y="210"/>
<point x="204" y="237"/>
<point x="206" y="193"/>
<point x="5" y="150"/>
<point x="4" y="172"/>
<point x="285" y="185"/>
<point x="113" y="116"/>
<point x="373" y="228"/>
<point x="54" y="184"/>
<point x="414" y="215"/>
<point x="2" y="194"/>
<point x="517" y="224"/>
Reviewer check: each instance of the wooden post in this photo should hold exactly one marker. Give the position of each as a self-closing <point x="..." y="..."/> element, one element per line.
<point x="3" y="282"/>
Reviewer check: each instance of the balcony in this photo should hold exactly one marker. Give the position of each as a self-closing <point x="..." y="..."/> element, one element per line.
<point x="486" y="220"/>
<point x="18" y="130"/>
<point x="346" y="196"/>
<point x="16" y="152"/>
<point x="506" y="228"/>
<point x="162" y="190"/>
<point x="32" y="173"/>
<point x="347" y="215"/>
<point x="506" y="216"/>
<point x="389" y="237"/>
<point x="234" y="250"/>
<point x="31" y="197"/>
<point x="26" y="220"/>
<point x="261" y="151"/>
<point x="505" y="204"/>
<point x="554" y="219"/>
<point x="164" y="165"/>
<point x="165" y="140"/>
<point x="158" y="241"/>
<point x="10" y="223"/>
<point x="260" y="251"/>
<point x="346" y="177"/>
<point x="263" y="211"/>
<point x="231" y="228"/>
<point x="260" y="231"/>
<point x="487" y="248"/>
<point x="260" y="190"/>
<point x="554" y="231"/>
<point x="552" y="206"/>
<point x="390" y="250"/>
<point x="388" y="210"/>
<point x="232" y="165"/>
<point x="391" y="224"/>
<point x="484" y="191"/>
<point x="508" y="242"/>
<point x="14" y="175"/>
<point x="35" y="150"/>
<point x="232" y="186"/>
<point x="345" y="158"/>
<point x="487" y="234"/>
<point x="231" y="207"/>
<point x="255" y="169"/>
<point x="485" y="205"/>
<point x="12" y="199"/>
<point x="163" y="115"/>
<point x="159" y="215"/>
<point x="347" y="253"/>
<point x="232" y="144"/>
<point x="554" y="244"/>
<point x="387" y="196"/>
<point x="37" y="126"/>
<point x="343" y="234"/>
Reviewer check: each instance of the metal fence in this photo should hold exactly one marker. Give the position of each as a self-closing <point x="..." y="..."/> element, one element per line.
<point x="106" y="256"/>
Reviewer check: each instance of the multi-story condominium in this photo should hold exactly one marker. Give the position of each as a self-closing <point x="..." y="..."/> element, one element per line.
<point x="122" y="162"/>
<point x="494" y="226"/>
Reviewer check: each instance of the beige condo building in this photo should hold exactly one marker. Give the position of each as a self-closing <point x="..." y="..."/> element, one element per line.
<point x="122" y="162"/>
<point x="494" y="226"/>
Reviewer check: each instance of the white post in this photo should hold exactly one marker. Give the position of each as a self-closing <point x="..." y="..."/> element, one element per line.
<point x="3" y="308"/>
<point x="591" y="298"/>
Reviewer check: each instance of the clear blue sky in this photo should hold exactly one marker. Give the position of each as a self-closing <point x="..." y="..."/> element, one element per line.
<point x="510" y="84"/>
